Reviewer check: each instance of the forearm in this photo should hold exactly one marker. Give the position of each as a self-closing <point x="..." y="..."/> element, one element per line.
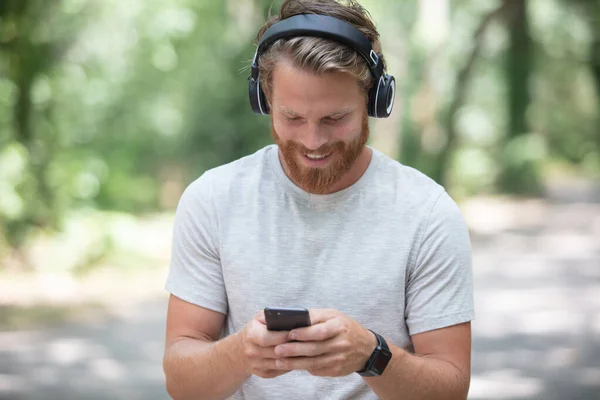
<point x="196" y="369"/>
<point x="415" y="377"/>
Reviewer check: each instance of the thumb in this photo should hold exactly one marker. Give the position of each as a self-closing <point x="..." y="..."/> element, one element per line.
<point x="318" y="315"/>
<point x="260" y="317"/>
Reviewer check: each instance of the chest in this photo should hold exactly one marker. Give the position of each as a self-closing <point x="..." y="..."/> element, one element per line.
<point x="354" y="263"/>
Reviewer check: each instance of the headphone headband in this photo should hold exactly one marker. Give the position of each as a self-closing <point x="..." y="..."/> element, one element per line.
<point x="322" y="26"/>
<point x="381" y="95"/>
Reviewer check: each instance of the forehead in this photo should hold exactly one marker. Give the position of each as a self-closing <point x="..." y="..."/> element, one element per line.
<point x="295" y="90"/>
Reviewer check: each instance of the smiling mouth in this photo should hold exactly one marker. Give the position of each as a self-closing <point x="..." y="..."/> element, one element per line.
<point x="317" y="156"/>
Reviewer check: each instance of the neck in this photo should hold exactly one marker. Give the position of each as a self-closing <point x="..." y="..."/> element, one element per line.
<point x="350" y="178"/>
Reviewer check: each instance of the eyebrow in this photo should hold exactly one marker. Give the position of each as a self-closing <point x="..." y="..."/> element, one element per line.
<point x="342" y="111"/>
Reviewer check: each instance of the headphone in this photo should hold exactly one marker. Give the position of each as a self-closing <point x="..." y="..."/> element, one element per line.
<point x="381" y="96"/>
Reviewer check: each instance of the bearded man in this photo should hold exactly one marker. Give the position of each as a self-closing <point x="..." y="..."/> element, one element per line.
<point x="376" y="251"/>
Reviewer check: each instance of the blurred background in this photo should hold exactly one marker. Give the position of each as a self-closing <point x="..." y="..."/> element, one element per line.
<point x="110" y="108"/>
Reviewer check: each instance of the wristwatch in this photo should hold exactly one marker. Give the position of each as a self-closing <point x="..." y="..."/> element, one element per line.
<point x="379" y="359"/>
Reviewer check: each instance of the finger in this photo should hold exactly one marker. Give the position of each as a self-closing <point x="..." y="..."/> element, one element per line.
<point x="307" y="349"/>
<point x="262" y="337"/>
<point x="270" y="373"/>
<point x="331" y="371"/>
<point x="255" y="352"/>
<point x="256" y="361"/>
<point x="318" y="315"/>
<point x="266" y="364"/>
<point x="319" y="332"/>
<point x="309" y="363"/>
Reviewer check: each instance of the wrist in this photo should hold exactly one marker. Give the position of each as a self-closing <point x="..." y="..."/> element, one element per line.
<point x="370" y="347"/>
<point x="379" y="358"/>
<point x="234" y="348"/>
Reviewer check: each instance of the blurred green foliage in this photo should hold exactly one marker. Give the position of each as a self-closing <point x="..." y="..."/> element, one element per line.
<point x="118" y="105"/>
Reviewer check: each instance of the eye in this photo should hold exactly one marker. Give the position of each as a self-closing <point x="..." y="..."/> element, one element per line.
<point x="293" y="119"/>
<point x="335" y="120"/>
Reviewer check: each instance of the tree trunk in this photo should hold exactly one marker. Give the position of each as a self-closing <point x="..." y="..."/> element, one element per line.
<point x="594" y="22"/>
<point x="518" y="175"/>
<point x="595" y="50"/>
<point x="518" y="67"/>
<point x="26" y="60"/>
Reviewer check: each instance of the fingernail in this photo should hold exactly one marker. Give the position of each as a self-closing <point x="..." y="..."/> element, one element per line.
<point x="279" y="364"/>
<point x="293" y="336"/>
<point x="279" y="350"/>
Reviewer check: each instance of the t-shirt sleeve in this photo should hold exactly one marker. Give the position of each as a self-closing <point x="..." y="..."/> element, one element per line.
<point x="439" y="291"/>
<point x="195" y="273"/>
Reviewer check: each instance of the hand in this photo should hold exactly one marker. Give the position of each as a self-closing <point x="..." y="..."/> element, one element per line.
<point x="334" y="345"/>
<point x="258" y="347"/>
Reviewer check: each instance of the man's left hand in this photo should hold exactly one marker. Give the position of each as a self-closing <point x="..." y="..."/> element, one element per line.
<point x="334" y="345"/>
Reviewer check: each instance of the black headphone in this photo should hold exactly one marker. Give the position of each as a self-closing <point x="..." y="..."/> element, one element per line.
<point x="381" y="96"/>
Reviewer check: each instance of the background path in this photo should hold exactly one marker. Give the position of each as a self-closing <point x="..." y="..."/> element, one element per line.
<point x="536" y="336"/>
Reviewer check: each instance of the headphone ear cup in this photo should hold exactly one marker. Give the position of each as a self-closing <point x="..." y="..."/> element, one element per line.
<point x="372" y="101"/>
<point x="384" y="102"/>
<point x="258" y="100"/>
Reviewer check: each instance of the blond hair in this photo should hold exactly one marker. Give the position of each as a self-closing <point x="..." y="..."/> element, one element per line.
<point x="318" y="55"/>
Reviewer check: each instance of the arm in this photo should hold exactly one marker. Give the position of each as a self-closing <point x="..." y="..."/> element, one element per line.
<point x="439" y="369"/>
<point x="199" y="366"/>
<point x="195" y="361"/>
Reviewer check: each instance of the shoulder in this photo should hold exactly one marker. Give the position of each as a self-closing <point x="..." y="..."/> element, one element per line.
<point x="419" y="200"/>
<point x="219" y="180"/>
<point x="406" y="184"/>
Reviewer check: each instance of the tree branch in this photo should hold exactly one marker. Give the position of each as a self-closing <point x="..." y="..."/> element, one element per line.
<point x="465" y="73"/>
<point x="462" y="82"/>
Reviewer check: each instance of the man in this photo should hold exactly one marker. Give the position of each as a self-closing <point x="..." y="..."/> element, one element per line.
<point x="377" y="252"/>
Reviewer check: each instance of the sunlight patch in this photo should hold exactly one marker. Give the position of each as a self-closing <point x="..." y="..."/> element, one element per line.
<point x="504" y="384"/>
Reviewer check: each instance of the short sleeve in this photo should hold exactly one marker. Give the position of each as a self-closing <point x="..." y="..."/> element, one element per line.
<point x="439" y="290"/>
<point x="195" y="273"/>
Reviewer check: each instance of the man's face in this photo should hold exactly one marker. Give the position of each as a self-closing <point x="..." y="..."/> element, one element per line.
<point x="320" y="124"/>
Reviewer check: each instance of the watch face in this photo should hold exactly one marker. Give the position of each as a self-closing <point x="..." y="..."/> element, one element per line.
<point x="380" y="364"/>
<point x="381" y="361"/>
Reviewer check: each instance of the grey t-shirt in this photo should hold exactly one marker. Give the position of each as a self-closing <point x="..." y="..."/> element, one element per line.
<point x="391" y="251"/>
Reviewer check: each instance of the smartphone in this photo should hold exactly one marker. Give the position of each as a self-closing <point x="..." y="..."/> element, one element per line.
<point x="286" y="319"/>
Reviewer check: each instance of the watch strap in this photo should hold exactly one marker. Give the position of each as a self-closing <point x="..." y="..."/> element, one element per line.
<point x="382" y="347"/>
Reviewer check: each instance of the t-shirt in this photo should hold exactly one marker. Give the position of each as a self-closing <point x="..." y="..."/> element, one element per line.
<point x="392" y="251"/>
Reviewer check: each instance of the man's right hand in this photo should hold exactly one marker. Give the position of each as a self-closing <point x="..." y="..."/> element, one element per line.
<point x="259" y="347"/>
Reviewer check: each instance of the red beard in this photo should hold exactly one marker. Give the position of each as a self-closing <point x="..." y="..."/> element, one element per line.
<point x="320" y="180"/>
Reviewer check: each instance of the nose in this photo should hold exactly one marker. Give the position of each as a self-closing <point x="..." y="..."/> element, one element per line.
<point x="315" y="137"/>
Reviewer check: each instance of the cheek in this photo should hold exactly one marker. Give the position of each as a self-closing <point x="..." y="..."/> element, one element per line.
<point x="343" y="132"/>
<point x="346" y="132"/>
<point x="284" y="131"/>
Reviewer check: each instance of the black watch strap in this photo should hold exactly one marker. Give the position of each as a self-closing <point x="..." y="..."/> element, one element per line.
<point x="378" y="360"/>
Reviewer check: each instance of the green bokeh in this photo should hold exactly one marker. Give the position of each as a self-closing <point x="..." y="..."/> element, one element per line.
<point x="115" y="105"/>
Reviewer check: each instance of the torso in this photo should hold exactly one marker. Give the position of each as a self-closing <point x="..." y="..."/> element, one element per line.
<point x="350" y="251"/>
